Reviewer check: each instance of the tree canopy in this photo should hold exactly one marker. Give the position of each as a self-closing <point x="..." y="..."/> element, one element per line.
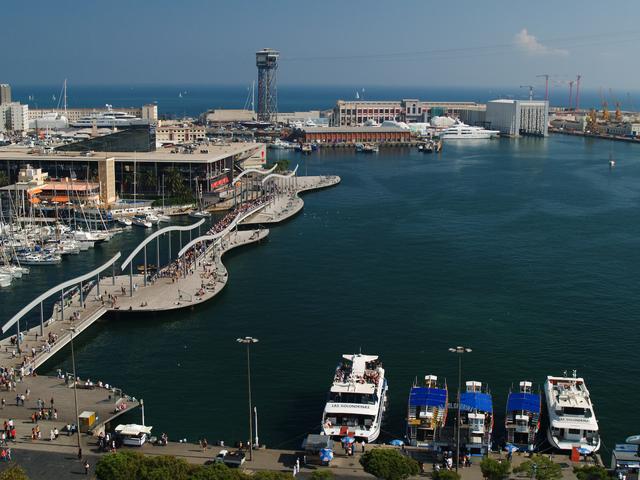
<point x="494" y="469"/>
<point x="15" y="472"/>
<point x="446" y="475"/>
<point x="388" y="464"/>
<point x="592" y="472"/>
<point x="540" y="467"/>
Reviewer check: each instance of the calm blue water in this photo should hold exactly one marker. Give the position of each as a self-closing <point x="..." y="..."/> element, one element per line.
<point x="525" y="250"/>
<point x="198" y="98"/>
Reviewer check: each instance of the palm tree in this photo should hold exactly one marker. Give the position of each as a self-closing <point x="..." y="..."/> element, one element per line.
<point x="175" y="182"/>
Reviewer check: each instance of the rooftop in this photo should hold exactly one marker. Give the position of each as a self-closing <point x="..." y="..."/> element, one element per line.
<point x="389" y="129"/>
<point x="214" y="153"/>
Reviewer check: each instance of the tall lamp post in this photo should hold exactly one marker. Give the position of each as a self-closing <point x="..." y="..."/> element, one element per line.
<point x="459" y="350"/>
<point x="248" y="341"/>
<point x="75" y="392"/>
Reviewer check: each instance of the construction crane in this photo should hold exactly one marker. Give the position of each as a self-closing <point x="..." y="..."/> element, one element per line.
<point x="616" y="102"/>
<point x="570" y="92"/>
<point x="530" y="87"/>
<point x="578" y="92"/>
<point x="546" y="85"/>
<point x="592" y="121"/>
<point x="605" y="107"/>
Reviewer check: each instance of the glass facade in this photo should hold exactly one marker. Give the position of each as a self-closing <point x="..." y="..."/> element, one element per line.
<point x="136" y="138"/>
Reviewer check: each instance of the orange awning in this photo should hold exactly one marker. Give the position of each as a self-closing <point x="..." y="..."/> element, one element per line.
<point x="35" y="200"/>
<point x="34" y="191"/>
<point x="60" y="199"/>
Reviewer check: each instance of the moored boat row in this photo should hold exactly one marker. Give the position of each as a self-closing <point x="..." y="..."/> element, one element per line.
<point x="357" y="402"/>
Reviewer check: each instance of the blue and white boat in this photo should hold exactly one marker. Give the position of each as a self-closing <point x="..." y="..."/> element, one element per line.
<point x="476" y="415"/>
<point x="426" y="412"/>
<point x="522" y="418"/>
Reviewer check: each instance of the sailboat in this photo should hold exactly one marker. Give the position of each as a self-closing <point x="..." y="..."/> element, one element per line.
<point x="612" y="162"/>
<point x="201" y="212"/>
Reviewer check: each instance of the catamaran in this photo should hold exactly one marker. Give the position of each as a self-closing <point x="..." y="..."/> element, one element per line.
<point x="357" y="399"/>
<point x="427" y="412"/>
<point x="476" y="415"/>
<point x="572" y="421"/>
<point x="522" y="419"/>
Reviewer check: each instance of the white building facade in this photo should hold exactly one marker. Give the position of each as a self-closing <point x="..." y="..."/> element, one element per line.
<point x="518" y="117"/>
<point x="14" y="117"/>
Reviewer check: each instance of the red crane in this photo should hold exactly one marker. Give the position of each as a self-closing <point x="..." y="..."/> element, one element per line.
<point x="546" y="85"/>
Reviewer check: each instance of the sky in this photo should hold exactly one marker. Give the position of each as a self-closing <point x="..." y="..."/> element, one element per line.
<point x="328" y="42"/>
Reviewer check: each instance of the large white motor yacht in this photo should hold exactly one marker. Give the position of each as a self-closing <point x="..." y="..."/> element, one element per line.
<point x="108" y="119"/>
<point x="357" y="399"/>
<point x="462" y="131"/>
<point x="572" y="421"/>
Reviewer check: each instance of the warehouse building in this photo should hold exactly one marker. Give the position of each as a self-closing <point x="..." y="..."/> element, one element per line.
<point x="355" y="134"/>
<point x="518" y="117"/>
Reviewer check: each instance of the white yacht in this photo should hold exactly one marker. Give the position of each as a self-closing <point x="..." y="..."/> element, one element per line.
<point x="124" y="221"/>
<point x="572" y="421"/>
<point x="462" y="131"/>
<point x="357" y="399"/>
<point x="108" y="119"/>
<point x="140" y="221"/>
<point x="153" y="219"/>
<point x="5" y="280"/>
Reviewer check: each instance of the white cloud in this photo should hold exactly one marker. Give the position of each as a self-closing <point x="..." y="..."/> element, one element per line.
<point x="529" y="44"/>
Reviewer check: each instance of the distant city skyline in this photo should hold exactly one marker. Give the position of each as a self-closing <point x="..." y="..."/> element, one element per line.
<point x="372" y="43"/>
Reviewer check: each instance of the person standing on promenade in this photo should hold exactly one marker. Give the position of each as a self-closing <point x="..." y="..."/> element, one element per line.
<point x="86" y="467"/>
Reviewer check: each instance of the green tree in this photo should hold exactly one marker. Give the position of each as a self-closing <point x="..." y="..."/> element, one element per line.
<point x="120" y="466"/>
<point x="446" y="475"/>
<point x="14" y="472"/>
<point x="388" y="464"/>
<point x="269" y="475"/>
<point x="149" y="182"/>
<point x="541" y="467"/>
<point x="165" y="467"/>
<point x="4" y="179"/>
<point x="494" y="470"/>
<point x="592" y="472"/>
<point x="281" y="166"/>
<point x="322" y="475"/>
<point x="217" y="471"/>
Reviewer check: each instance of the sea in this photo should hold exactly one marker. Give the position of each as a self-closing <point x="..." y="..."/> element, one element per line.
<point x="525" y="250"/>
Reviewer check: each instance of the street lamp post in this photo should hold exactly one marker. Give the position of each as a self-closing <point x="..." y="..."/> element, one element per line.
<point x="75" y="392"/>
<point x="248" y="341"/>
<point x="459" y="350"/>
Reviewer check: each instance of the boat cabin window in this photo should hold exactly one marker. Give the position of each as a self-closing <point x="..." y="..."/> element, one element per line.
<point x="574" y="431"/>
<point x="360" y="421"/>
<point x="575" y="411"/>
<point x="343" y="397"/>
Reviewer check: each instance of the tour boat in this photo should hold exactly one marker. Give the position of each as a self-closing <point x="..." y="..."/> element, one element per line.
<point x="476" y="417"/>
<point x="357" y="399"/>
<point x="427" y="412"/>
<point x="141" y="222"/>
<point x="461" y="131"/>
<point x="522" y="419"/>
<point x="572" y="421"/>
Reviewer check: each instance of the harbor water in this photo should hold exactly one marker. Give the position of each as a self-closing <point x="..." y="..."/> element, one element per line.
<point x="525" y="250"/>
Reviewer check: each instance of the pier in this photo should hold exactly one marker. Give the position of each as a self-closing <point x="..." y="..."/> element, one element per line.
<point x="194" y="277"/>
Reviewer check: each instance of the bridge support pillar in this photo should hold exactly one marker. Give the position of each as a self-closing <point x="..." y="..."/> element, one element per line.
<point x="81" y="296"/>
<point x="41" y="319"/>
<point x="98" y="284"/>
<point x="113" y="274"/>
<point x="169" y="235"/>
<point x="18" y="337"/>
<point x="157" y="255"/>
<point x="145" y="265"/>
<point x="131" y="278"/>
<point x="180" y="232"/>
<point x="62" y="304"/>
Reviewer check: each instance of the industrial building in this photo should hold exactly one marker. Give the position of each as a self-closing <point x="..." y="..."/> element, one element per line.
<point x="355" y="134"/>
<point x="227" y="115"/>
<point x="518" y="117"/>
<point x="357" y="112"/>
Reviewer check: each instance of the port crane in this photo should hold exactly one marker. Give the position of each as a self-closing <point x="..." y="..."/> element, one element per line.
<point x="530" y="87"/>
<point x="546" y="84"/>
